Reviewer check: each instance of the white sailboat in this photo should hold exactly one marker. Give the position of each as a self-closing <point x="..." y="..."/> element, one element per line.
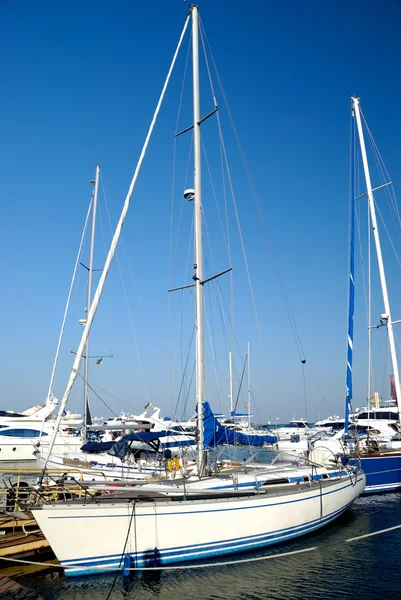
<point x="152" y="528"/>
<point x="381" y="462"/>
<point x="374" y="431"/>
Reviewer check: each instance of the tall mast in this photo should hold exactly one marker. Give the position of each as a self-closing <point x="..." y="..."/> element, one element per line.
<point x="386" y="318"/>
<point x="249" y="386"/>
<point x="198" y="266"/>
<point x="89" y="300"/>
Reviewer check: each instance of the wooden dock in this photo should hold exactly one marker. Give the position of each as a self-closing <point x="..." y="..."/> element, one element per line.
<point x="19" y="543"/>
<point x="11" y="590"/>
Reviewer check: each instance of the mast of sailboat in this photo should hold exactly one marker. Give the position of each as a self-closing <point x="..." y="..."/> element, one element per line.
<point x="198" y="266"/>
<point x="386" y="317"/>
<point x="95" y="183"/>
<point x="249" y="385"/>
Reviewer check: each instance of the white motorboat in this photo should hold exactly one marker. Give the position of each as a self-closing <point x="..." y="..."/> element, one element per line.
<point x="21" y="433"/>
<point x="296" y="429"/>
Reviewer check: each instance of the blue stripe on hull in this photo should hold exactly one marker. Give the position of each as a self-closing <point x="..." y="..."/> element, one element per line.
<point x="156" y="557"/>
<point x="383" y="472"/>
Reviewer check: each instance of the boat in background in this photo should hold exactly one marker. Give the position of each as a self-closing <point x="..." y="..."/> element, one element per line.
<point x="381" y="464"/>
<point x="379" y="450"/>
<point x="332" y="423"/>
<point x="33" y="416"/>
<point x="296" y="429"/>
<point x="241" y="422"/>
<point x="21" y="433"/>
<point x="133" y="459"/>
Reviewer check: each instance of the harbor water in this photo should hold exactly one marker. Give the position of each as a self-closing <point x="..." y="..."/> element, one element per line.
<point x="367" y="568"/>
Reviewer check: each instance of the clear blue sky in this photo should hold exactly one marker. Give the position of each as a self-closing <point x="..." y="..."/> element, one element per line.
<point x="79" y="84"/>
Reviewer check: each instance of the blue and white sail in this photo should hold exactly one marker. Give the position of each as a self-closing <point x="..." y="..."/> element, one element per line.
<point x="348" y="398"/>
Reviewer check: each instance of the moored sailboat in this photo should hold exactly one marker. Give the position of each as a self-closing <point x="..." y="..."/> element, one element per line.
<point x="151" y="528"/>
<point x="381" y="464"/>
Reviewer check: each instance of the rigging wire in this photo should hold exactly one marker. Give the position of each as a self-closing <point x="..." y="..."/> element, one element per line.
<point x="173" y="254"/>
<point x="226" y="239"/>
<point x="171" y="378"/>
<point x="392" y="201"/>
<point x="225" y="235"/>
<point x="230" y="182"/>
<point x="96" y="394"/>
<point x="179" y="338"/>
<point x="387" y="233"/>
<point x="117" y="257"/>
<point x="390" y="193"/>
<point x="365" y="269"/>
<point x="189" y="388"/>
<point x="287" y="305"/>
<point x="51" y="384"/>
<point x="223" y="172"/>
<point x="219" y="296"/>
<point x="123" y="552"/>
<point x="256" y="198"/>
<point x="240" y="384"/>
<point x="111" y="395"/>
<point x="383" y="172"/>
<point x="108" y="283"/>
<point x="224" y="169"/>
<point x="212" y="339"/>
<point x="184" y="375"/>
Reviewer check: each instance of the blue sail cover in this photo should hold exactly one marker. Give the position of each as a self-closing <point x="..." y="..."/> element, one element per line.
<point x="214" y="433"/>
<point x="97" y="447"/>
<point x="122" y="447"/>
<point x="140" y="436"/>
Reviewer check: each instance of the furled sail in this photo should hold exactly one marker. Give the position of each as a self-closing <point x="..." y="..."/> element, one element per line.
<point x="214" y="433"/>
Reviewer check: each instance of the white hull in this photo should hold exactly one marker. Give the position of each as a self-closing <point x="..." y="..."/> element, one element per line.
<point x="164" y="532"/>
<point x="17" y="449"/>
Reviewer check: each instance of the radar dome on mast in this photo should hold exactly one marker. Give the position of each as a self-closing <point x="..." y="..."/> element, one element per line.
<point x="189" y="195"/>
